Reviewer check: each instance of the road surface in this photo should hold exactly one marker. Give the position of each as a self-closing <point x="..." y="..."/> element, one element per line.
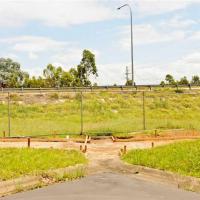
<point x="107" y="186"/>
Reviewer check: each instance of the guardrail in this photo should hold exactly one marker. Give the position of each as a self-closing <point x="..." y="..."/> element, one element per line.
<point x="91" y="88"/>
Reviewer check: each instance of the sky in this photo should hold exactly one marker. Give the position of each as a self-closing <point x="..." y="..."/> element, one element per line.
<point x="166" y="36"/>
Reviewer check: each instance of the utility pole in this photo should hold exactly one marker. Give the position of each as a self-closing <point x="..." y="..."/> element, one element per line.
<point x="127" y="74"/>
<point x="81" y="133"/>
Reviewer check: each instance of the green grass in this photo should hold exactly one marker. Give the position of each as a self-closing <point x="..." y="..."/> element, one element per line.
<point x="16" y="162"/>
<point x="182" y="158"/>
<point x="104" y="112"/>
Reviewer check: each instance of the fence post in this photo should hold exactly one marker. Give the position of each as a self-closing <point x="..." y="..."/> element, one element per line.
<point x="144" y="111"/>
<point x="81" y="113"/>
<point x="4" y="134"/>
<point x="29" y="142"/>
<point x="9" y="124"/>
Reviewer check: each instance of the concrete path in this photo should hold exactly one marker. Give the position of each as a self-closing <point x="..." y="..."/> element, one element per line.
<point x="107" y="186"/>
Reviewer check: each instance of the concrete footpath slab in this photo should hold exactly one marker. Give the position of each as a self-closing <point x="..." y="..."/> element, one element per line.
<point x="107" y="186"/>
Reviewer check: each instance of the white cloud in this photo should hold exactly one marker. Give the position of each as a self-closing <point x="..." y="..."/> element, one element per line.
<point x="10" y="55"/>
<point x="144" y="73"/>
<point x="54" y="13"/>
<point x="147" y="34"/>
<point x="71" y="57"/>
<point x="173" y="29"/>
<point x="195" y="35"/>
<point x="178" y="22"/>
<point x="151" y="73"/>
<point x="62" y="53"/>
<point x="187" y="65"/>
<point x="33" y="43"/>
<point x="193" y="58"/>
<point x="111" y="73"/>
<point x="63" y="13"/>
<point x="33" y="56"/>
<point x="154" y="7"/>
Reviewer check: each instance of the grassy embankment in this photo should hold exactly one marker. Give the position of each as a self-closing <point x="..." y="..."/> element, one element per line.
<point x="19" y="162"/>
<point x="182" y="158"/>
<point x="38" y="114"/>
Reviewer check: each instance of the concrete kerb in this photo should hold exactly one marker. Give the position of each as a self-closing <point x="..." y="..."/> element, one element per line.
<point x="140" y="139"/>
<point x="182" y="182"/>
<point x="46" y="178"/>
<point x="22" y="183"/>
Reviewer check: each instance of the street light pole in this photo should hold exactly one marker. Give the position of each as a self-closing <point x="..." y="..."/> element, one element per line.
<point x="81" y="101"/>
<point x="132" y="65"/>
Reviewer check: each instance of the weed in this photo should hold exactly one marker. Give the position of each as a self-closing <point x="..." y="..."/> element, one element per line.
<point x="54" y="96"/>
<point x="15" y="97"/>
<point x="17" y="162"/>
<point x="182" y="158"/>
<point x="103" y="112"/>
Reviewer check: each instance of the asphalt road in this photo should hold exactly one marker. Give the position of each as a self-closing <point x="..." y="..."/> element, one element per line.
<point x="107" y="186"/>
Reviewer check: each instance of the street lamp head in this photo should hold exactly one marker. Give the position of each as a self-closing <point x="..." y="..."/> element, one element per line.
<point x="122" y="6"/>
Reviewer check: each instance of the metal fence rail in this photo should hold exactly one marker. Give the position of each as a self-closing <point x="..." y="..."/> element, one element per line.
<point x="108" y="87"/>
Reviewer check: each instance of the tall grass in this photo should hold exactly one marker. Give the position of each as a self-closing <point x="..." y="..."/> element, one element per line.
<point x="182" y="158"/>
<point x="18" y="162"/>
<point x="103" y="112"/>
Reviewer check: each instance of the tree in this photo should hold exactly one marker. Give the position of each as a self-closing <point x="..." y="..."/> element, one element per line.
<point x="11" y="73"/>
<point x="170" y="79"/>
<point x="86" y="68"/>
<point x="195" y="80"/>
<point x="13" y="76"/>
<point x="75" y="77"/>
<point x="40" y="83"/>
<point x="66" y="79"/>
<point x="35" y="82"/>
<point x="26" y="82"/>
<point x="162" y="83"/>
<point x="57" y="77"/>
<point x="53" y="75"/>
<point x="183" y="81"/>
<point x="129" y="83"/>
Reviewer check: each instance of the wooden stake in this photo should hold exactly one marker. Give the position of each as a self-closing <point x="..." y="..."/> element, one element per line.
<point x="113" y="139"/>
<point x="85" y="149"/>
<point x="125" y="149"/>
<point x="29" y="142"/>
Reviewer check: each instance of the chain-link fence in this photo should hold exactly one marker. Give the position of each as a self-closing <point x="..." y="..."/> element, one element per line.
<point x="96" y="113"/>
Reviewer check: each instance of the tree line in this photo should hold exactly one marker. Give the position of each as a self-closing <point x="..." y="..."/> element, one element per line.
<point x="169" y="80"/>
<point x="11" y="74"/>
